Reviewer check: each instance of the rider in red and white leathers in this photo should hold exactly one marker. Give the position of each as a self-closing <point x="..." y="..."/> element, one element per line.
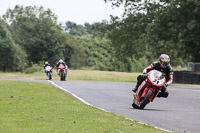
<point x="163" y="66"/>
<point x="61" y="62"/>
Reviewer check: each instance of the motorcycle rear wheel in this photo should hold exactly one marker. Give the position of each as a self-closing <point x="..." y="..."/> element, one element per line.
<point x="145" y="100"/>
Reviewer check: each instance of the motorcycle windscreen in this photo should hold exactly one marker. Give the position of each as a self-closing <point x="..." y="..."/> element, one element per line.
<point x="156" y="78"/>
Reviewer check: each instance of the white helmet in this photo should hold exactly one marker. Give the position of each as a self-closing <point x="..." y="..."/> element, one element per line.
<point x="60" y="61"/>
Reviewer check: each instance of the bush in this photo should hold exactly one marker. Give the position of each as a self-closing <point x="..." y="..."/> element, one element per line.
<point x="33" y="69"/>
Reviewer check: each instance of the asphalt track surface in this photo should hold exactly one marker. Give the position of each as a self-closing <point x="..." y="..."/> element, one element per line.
<point x="180" y="112"/>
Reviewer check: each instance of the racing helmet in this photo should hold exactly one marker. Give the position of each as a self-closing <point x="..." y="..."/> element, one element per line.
<point x="61" y="61"/>
<point x="164" y="60"/>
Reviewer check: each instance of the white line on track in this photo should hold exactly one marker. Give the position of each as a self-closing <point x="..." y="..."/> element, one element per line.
<point x="82" y="100"/>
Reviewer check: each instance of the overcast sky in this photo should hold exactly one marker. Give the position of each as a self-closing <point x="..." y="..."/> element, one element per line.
<point x="78" y="11"/>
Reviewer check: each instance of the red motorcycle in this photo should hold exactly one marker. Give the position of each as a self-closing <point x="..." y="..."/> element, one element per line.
<point x="148" y="89"/>
<point x="62" y="72"/>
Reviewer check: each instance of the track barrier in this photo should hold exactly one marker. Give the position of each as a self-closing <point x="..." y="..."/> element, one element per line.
<point x="186" y="77"/>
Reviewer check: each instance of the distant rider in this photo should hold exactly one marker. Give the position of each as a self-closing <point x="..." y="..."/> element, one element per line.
<point x="61" y="62"/>
<point x="45" y="65"/>
<point x="163" y="65"/>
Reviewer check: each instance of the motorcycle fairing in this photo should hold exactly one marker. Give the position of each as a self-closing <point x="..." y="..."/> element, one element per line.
<point x="61" y="71"/>
<point x="61" y="67"/>
<point x="154" y="77"/>
<point x="48" y="68"/>
<point x="141" y="89"/>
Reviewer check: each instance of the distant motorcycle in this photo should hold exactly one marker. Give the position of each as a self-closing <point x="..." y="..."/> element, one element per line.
<point x="62" y="72"/>
<point x="48" y="70"/>
<point x="148" y="89"/>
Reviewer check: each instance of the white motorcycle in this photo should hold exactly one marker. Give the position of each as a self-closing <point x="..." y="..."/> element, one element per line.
<point x="48" y="70"/>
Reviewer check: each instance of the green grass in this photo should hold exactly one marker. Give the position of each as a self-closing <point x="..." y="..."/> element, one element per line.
<point x="86" y="75"/>
<point x="31" y="107"/>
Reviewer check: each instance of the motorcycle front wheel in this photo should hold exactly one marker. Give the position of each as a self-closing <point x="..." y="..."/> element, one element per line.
<point x="62" y="77"/>
<point x="145" y="100"/>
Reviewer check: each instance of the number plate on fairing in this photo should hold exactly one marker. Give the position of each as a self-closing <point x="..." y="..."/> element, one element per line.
<point x="156" y="78"/>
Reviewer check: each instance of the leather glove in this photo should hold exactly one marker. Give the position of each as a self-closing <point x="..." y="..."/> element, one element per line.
<point x="166" y="84"/>
<point x="144" y="75"/>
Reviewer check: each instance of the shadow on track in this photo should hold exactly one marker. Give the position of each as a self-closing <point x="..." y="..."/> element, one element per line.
<point x="149" y="109"/>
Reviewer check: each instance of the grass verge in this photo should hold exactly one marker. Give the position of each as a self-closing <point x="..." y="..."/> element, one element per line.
<point x="39" y="107"/>
<point x="86" y="75"/>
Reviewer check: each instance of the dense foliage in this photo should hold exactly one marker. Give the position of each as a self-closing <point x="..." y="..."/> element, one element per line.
<point x="31" y="35"/>
<point x="99" y="55"/>
<point x="12" y="58"/>
<point x="155" y="27"/>
<point x="36" y="31"/>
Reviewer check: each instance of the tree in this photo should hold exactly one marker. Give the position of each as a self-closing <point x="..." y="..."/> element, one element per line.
<point x="12" y="56"/>
<point x="73" y="52"/>
<point x="36" y="30"/>
<point x="74" y="29"/>
<point x="171" y="27"/>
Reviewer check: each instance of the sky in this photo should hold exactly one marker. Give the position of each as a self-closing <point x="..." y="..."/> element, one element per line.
<point x="78" y="11"/>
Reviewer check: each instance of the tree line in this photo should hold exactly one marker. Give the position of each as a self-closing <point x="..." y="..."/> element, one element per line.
<point x="31" y="35"/>
<point x="149" y="28"/>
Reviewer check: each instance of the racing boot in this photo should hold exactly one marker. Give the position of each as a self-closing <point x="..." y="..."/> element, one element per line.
<point x="164" y="93"/>
<point x="135" y="89"/>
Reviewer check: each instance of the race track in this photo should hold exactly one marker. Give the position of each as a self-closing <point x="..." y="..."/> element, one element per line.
<point x="180" y="112"/>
